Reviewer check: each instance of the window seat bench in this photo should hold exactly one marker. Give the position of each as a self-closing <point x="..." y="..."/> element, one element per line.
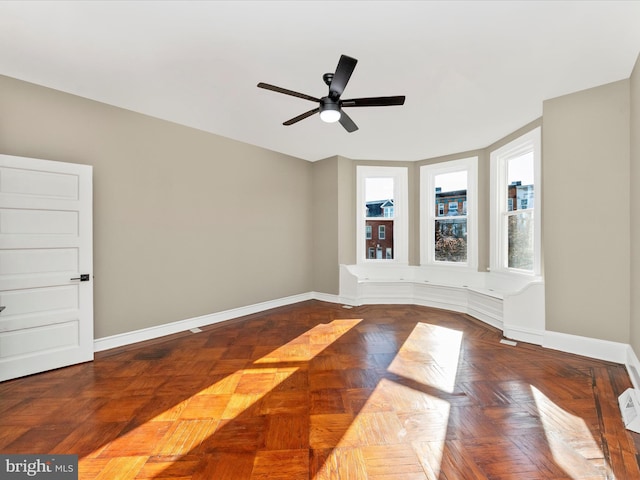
<point x="510" y="302"/>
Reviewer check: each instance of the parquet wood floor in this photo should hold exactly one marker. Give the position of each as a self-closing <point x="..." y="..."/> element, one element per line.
<point x="317" y="391"/>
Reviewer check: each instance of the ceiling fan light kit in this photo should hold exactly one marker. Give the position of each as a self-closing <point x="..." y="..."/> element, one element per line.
<point x="330" y="107"/>
<point x="329" y="110"/>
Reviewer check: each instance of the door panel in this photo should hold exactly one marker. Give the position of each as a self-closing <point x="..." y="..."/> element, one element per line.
<point x="38" y="222"/>
<point x="40" y="341"/>
<point x="45" y="244"/>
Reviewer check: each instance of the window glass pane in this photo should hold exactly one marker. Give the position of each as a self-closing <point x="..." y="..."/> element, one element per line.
<point x="451" y="193"/>
<point x="520" y="182"/>
<point x="379" y="196"/>
<point x="381" y="238"/>
<point x="520" y="230"/>
<point x="380" y="213"/>
<point x="451" y="240"/>
<point x="451" y="201"/>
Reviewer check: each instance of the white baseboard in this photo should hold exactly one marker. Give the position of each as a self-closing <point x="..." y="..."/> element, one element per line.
<point x="585" y="346"/>
<point x="326" y="297"/>
<point x="633" y="367"/>
<point x="129" y="338"/>
<point x="589" y="347"/>
<point x="523" y="334"/>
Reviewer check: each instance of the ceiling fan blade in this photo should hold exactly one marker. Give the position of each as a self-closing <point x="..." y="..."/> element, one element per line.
<point x="345" y="68"/>
<point x="301" y="117"/>
<point x="373" y="101"/>
<point x="348" y="124"/>
<point x="287" y="92"/>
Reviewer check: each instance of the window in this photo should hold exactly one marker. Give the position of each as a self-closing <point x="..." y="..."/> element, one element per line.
<point x="515" y="218"/>
<point x="383" y="203"/>
<point x="448" y="233"/>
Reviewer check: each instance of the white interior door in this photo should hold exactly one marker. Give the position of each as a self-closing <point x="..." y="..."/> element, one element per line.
<point x="46" y="248"/>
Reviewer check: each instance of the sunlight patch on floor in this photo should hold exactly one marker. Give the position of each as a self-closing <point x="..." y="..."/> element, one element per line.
<point x="311" y="343"/>
<point x="235" y="393"/>
<point x="569" y="439"/>
<point x="434" y="364"/>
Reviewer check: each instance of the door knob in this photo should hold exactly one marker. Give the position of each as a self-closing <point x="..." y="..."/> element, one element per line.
<point x="83" y="277"/>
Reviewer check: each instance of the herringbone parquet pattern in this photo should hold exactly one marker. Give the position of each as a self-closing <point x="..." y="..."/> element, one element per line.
<point x="317" y="391"/>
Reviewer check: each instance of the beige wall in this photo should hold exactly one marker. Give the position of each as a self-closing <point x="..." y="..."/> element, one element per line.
<point x="325" y="226"/>
<point x="586" y="212"/>
<point x="183" y="224"/>
<point x="635" y="207"/>
<point x="186" y="223"/>
<point x="346" y="212"/>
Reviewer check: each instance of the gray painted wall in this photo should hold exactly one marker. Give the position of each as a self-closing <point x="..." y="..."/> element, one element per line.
<point x="186" y="223"/>
<point x="325" y="221"/>
<point x="183" y="224"/>
<point x="635" y="207"/>
<point x="586" y="212"/>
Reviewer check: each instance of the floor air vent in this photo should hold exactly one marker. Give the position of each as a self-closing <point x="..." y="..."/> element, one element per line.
<point x="629" y="403"/>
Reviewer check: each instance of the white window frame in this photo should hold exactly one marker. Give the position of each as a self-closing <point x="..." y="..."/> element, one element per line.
<point x="382" y="232"/>
<point x="529" y="142"/>
<point x="428" y="214"/>
<point x="400" y="177"/>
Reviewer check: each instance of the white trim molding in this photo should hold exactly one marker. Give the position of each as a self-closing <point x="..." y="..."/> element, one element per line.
<point x="399" y="176"/>
<point x="129" y="338"/>
<point x="586" y="346"/>
<point x="530" y="142"/>
<point x="428" y="217"/>
<point x="633" y="367"/>
<point x="589" y="347"/>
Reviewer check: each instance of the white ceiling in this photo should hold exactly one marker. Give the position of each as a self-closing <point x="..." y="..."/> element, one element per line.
<point x="472" y="71"/>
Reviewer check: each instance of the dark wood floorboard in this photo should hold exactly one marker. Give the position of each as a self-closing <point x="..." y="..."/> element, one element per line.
<point x="317" y="391"/>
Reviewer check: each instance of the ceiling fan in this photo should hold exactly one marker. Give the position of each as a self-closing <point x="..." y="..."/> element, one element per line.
<point x="330" y="107"/>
